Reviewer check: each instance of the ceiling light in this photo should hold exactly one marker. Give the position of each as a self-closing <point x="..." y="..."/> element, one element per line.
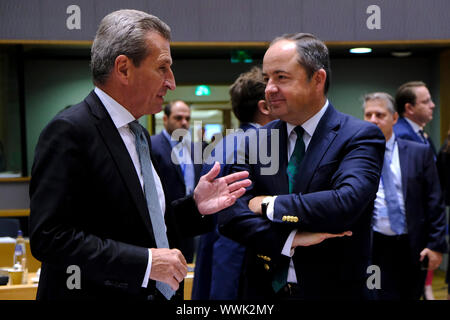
<point x="401" y="54"/>
<point x="360" y="50"/>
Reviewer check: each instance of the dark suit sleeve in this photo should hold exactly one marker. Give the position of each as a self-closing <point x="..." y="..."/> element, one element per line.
<point x="189" y="220"/>
<point x="353" y="183"/>
<point x="435" y="208"/>
<point x="58" y="236"/>
<point x="346" y="186"/>
<point x="240" y="224"/>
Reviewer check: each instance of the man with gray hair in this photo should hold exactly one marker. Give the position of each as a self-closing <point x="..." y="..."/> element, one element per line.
<point x="97" y="203"/>
<point x="409" y="214"/>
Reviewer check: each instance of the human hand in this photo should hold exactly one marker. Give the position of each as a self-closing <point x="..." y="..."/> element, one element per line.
<point x="212" y="195"/>
<point x="255" y="204"/>
<point x="434" y="258"/>
<point x="168" y="266"/>
<point x="305" y="239"/>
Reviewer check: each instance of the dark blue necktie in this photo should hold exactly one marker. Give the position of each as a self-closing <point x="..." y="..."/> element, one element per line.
<point x="151" y="195"/>
<point x="423" y="137"/>
<point x="396" y="217"/>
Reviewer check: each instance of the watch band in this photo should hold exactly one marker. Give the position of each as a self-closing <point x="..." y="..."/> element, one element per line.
<point x="264" y="205"/>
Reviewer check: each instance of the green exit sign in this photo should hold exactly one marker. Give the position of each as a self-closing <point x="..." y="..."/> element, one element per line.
<point x="242" y="56"/>
<point x="202" y="90"/>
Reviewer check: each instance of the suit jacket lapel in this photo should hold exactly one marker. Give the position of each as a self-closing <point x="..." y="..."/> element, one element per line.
<point x="120" y="155"/>
<point x="281" y="182"/>
<point x="321" y="140"/>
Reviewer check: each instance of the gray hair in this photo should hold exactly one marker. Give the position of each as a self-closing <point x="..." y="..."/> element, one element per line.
<point x="123" y="32"/>
<point x="390" y="103"/>
<point x="313" y="54"/>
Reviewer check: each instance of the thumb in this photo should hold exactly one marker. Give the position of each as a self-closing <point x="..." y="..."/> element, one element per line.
<point x="213" y="172"/>
<point x="423" y="253"/>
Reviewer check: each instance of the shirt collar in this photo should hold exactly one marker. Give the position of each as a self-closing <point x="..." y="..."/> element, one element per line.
<point x="254" y="124"/>
<point x="119" y="115"/>
<point x="414" y="125"/>
<point x="311" y="124"/>
<point x="390" y="143"/>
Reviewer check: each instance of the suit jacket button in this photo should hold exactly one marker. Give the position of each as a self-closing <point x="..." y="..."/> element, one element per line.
<point x="284" y="218"/>
<point x="266" y="266"/>
<point x="295" y="219"/>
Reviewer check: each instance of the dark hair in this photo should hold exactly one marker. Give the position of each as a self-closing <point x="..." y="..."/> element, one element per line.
<point x="405" y="94"/>
<point x="245" y="93"/>
<point x="313" y="54"/>
<point x="123" y="32"/>
<point x="168" y="107"/>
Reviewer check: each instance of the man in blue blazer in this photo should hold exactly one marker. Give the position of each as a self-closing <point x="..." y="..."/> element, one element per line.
<point x="409" y="219"/>
<point x="415" y="107"/>
<point x="328" y="168"/>
<point x="219" y="263"/>
<point x="182" y="176"/>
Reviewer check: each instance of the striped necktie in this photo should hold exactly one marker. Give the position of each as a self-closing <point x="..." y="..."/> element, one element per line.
<point x="151" y="196"/>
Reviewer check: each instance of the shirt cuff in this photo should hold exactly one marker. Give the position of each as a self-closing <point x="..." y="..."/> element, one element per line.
<point x="288" y="251"/>
<point x="270" y="208"/>
<point x="149" y="269"/>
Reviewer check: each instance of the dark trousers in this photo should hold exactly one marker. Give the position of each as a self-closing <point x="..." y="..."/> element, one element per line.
<point x="401" y="276"/>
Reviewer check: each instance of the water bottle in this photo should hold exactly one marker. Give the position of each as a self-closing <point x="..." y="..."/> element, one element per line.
<point x="20" y="255"/>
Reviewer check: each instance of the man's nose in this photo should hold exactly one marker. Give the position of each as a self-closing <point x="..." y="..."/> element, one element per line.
<point x="271" y="87"/>
<point x="170" y="81"/>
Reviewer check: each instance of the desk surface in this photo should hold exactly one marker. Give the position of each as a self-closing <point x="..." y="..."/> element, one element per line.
<point x="20" y="291"/>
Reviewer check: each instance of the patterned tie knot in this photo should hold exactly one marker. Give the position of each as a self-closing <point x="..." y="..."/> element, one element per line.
<point x="135" y="127"/>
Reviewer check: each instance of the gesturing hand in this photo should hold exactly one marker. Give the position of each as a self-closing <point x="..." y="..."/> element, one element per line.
<point x="169" y="266"/>
<point x="212" y="195"/>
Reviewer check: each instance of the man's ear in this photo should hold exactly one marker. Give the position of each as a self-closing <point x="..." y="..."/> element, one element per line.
<point x="395" y="117"/>
<point x="263" y="108"/>
<point x="409" y="109"/>
<point x="122" y="68"/>
<point x="319" y="79"/>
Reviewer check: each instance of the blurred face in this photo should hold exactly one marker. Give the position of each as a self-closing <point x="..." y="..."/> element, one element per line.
<point x="422" y="111"/>
<point x="375" y="111"/>
<point x="149" y="82"/>
<point x="180" y="117"/>
<point x="290" y="95"/>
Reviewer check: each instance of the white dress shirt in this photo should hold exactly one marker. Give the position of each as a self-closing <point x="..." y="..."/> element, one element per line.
<point x="309" y="128"/>
<point x="121" y="118"/>
<point x="415" y="127"/>
<point x="381" y="222"/>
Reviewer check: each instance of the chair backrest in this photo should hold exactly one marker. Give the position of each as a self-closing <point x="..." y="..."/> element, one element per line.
<point x="9" y="227"/>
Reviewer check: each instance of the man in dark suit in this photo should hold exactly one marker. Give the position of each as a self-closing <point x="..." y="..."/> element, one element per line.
<point x="99" y="219"/>
<point x="328" y="172"/>
<point x="182" y="175"/>
<point x="409" y="214"/>
<point x="415" y="107"/>
<point x="220" y="260"/>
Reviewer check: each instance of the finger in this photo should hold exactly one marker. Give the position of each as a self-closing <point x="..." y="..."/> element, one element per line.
<point x="179" y="274"/>
<point x="173" y="283"/>
<point x="423" y="253"/>
<point x="238" y="193"/>
<point x="236" y="176"/>
<point x="239" y="184"/>
<point x="213" y="172"/>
